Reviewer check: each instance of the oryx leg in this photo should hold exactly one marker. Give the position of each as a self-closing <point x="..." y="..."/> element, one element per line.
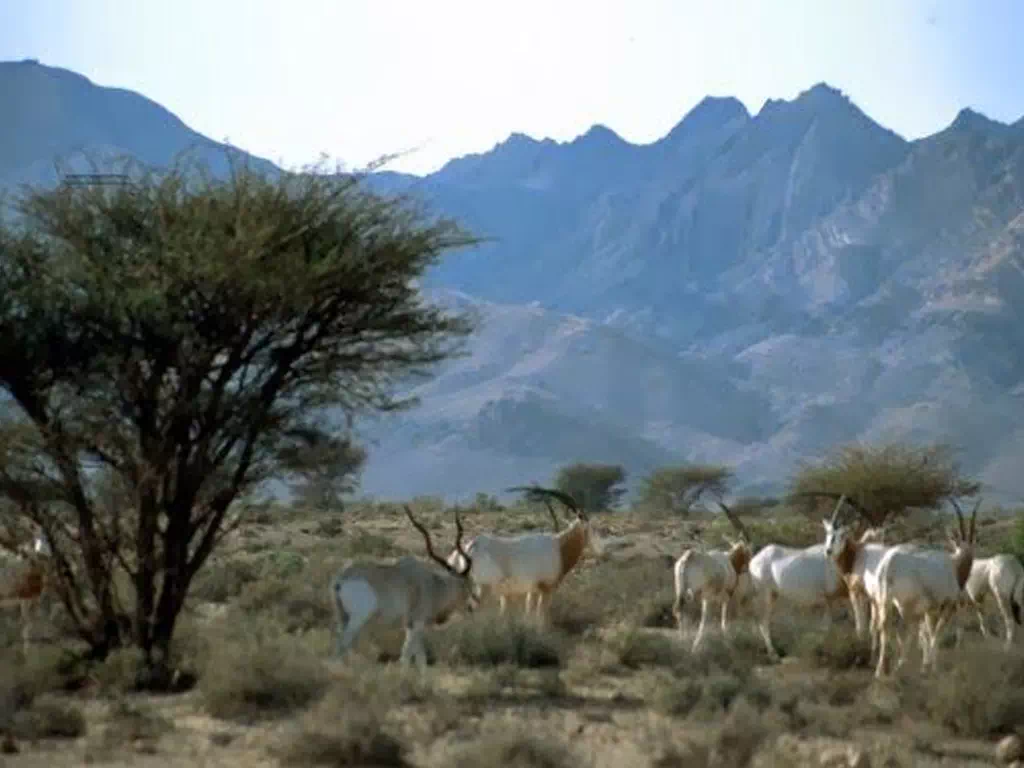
<point x="725" y="614"/>
<point x="873" y="626"/>
<point x="356" y="604"/>
<point x="541" y="604"/>
<point x="764" y="625"/>
<point x="858" y="613"/>
<point x="944" y="615"/>
<point x="414" y="649"/>
<point x="704" y="605"/>
<point x="1008" y="623"/>
<point x="884" y="620"/>
<point x="926" y="638"/>
<point x="528" y="603"/>
<point x="978" y="605"/>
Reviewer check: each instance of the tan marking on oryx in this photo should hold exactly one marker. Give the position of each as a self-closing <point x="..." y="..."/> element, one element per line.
<point x="739" y="558"/>
<point x="846" y="558"/>
<point x="572" y="542"/>
<point x="963" y="567"/>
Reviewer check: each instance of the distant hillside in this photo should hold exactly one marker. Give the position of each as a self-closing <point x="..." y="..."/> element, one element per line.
<point x="53" y="114"/>
<point x="750" y="289"/>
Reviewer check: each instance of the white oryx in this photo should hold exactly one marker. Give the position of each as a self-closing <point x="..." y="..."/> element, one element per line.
<point x="857" y="561"/>
<point x="407" y="590"/>
<point x="806" y="577"/>
<point x="711" y="575"/>
<point x="25" y="578"/>
<point x="1003" y="577"/>
<point x="531" y="564"/>
<point x="924" y="585"/>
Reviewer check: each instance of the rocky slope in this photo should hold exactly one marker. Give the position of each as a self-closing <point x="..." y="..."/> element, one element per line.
<point x="749" y="289"/>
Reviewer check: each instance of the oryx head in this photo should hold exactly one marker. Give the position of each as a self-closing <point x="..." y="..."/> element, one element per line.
<point x="468" y="592"/>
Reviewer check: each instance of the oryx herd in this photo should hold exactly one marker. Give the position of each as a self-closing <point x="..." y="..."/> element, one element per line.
<point x="921" y="585"/>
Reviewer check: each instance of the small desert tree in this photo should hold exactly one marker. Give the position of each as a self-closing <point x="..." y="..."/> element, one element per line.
<point x="676" y="489"/>
<point x="885" y="480"/>
<point x="595" y="486"/>
<point x="183" y="338"/>
<point x="326" y="467"/>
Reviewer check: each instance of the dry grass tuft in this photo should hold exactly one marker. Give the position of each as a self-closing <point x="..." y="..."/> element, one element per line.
<point x="255" y="672"/>
<point x="979" y="691"/>
<point x="514" y="746"/>
<point x="486" y="639"/>
<point x="348" y="727"/>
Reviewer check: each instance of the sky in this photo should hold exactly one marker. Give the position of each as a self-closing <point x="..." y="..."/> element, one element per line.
<point x="358" y="79"/>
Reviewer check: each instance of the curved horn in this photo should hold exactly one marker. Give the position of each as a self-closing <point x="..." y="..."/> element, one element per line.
<point x="529" y="494"/>
<point x="458" y="546"/>
<point x="735" y="522"/>
<point x="430" y="547"/>
<point x="960" y="518"/>
<point x="537" y="493"/>
<point x="849" y="501"/>
<point x="554" y="517"/>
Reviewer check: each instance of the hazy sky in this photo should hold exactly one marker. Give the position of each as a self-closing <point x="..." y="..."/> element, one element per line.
<point x="358" y="78"/>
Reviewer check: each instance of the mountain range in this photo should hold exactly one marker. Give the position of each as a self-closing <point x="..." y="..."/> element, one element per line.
<point x="751" y="289"/>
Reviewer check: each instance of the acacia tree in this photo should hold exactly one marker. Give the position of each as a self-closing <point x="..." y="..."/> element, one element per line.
<point x="885" y="480"/>
<point x="678" y="488"/>
<point x="327" y="468"/>
<point x="186" y="336"/>
<point x="594" y="486"/>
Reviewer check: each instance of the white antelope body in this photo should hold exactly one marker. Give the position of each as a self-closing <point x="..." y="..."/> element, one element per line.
<point x="531" y="564"/>
<point x="1003" y="577"/>
<point x="804" y="577"/>
<point x="857" y="561"/>
<point x="710" y="576"/>
<point x="925" y="585"/>
<point x="408" y="590"/>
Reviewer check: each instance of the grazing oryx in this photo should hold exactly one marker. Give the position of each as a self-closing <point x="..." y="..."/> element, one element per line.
<point x="926" y="585"/>
<point x="531" y="564"/>
<point x="857" y="561"/>
<point x="407" y="590"/>
<point x="24" y="581"/>
<point x="713" y="575"/>
<point x="1003" y="576"/>
<point x="805" y="577"/>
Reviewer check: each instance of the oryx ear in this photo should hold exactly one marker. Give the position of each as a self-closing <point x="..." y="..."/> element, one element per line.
<point x="826" y="523"/>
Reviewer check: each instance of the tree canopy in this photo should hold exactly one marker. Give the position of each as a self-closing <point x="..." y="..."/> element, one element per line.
<point x="594" y="486"/>
<point x="678" y="488"/>
<point x="187" y="335"/>
<point x="885" y="480"/>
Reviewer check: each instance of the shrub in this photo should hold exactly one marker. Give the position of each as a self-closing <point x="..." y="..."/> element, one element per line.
<point x="251" y="674"/>
<point x="487" y="640"/>
<point x="515" y="748"/>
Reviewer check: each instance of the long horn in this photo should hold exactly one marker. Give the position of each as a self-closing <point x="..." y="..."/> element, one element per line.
<point x="848" y="500"/>
<point x="528" y="492"/>
<point x="974" y="520"/>
<point x="839" y="507"/>
<point x="537" y="493"/>
<point x="735" y="522"/>
<point x="554" y="517"/>
<point x="459" y="548"/>
<point x="959" y="518"/>
<point x="430" y="547"/>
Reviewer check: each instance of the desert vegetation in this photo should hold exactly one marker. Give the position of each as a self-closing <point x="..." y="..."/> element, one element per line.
<point x="171" y="345"/>
<point x="605" y="680"/>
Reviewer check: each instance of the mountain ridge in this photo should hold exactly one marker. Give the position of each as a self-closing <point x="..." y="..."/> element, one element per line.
<point x="750" y="289"/>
